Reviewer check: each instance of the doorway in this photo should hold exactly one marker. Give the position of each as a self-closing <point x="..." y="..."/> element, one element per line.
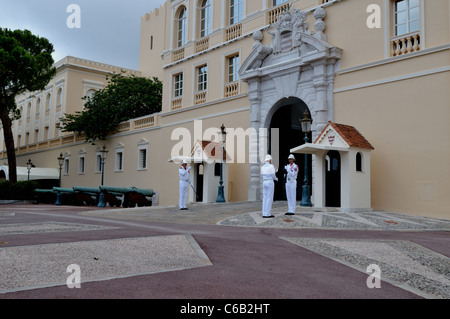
<point x="333" y="179"/>
<point x="286" y="119"/>
<point x="199" y="179"/>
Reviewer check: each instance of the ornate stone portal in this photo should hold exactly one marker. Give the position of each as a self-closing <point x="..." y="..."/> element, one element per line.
<point x="299" y="63"/>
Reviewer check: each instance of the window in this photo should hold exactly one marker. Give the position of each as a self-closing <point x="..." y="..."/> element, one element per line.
<point x="277" y="2"/>
<point x="38" y="108"/>
<point x="98" y="163"/>
<point x="202" y="78"/>
<point x="235" y="11"/>
<point x="205" y="18"/>
<point x="181" y="27"/>
<point x="233" y="68"/>
<point x="142" y="154"/>
<point x="66" y="164"/>
<point x="407" y="16"/>
<point x="48" y="102"/>
<point x="28" y="112"/>
<point x="119" y="161"/>
<point x="178" y="85"/>
<point x="59" y="97"/>
<point x="142" y="159"/>
<point x="81" y="160"/>
<point x="359" y="162"/>
<point x="217" y="169"/>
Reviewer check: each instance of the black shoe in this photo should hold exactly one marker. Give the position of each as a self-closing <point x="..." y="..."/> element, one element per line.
<point x="289" y="213"/>
<point x="271" y="216"/>
<point x="183" y="208"/>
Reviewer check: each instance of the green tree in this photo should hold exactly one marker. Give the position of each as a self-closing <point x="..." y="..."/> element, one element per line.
<point x="26" y="64"/>
<point x="124" y="98"/>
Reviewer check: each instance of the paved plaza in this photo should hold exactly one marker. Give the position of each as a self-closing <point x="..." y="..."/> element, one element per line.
<point x="215" y="251"/>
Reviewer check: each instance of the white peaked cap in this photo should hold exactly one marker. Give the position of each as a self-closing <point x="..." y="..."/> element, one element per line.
<point x="183" y="162"/>
<point x="268" y="158"/>
<point x="291" y="156"/>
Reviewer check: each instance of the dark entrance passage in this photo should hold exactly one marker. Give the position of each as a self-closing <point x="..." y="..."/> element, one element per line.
<point x="286" y="119"/>
<point x="333" y="179"/>
<point x="199" y="177"/>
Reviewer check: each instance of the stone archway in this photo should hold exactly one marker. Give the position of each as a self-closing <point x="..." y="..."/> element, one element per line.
<point x="285" y="119"/>
<point x="298" y="63"/>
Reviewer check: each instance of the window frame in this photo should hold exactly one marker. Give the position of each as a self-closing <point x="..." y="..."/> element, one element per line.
<point x="202" y="77"/>
<point x="205" y="18"/>
<point x="178" y="79"/>
<point x="234" y="67"/>
<point x="181" y="26"/>
<point x="81" y="163"/>
<point x="66" y="165"/>
<point x="408" y="19"/>
<point x="142" y="147"/>
<point x="118" y="166"/>
<point x="235" y="9"/>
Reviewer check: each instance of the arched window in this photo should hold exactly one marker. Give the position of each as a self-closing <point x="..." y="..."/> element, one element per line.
<point x="359" y="162"/>
<point x="181" y="27"/>
<point x="28" y="110"/>
<point x="48" y="102"/>
<point x="38" y="106"/>
<point x="59" y="97"/>
<point x="205" y="10"/>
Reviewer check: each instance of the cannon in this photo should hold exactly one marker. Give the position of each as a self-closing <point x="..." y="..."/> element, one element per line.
<point x="132" y="196"/>
<point x="64" y="195"/>
<point x="86" y="195"/>
<point x="110" y="197"/>
<point x="46" y="196"/>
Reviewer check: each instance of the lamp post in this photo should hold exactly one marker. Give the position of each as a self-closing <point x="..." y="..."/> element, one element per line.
<point x="306" y="128"/>
<point x="220" y="193"/>
<point x="60" y="163"/>
<point x="101" y="198"/>
<point x="29" y="166"/>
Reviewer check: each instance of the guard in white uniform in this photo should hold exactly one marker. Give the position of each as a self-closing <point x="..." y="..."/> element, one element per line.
<point x="268" y="174"/>
<point x="185" y="181"/>
<point x="291" y="184"/>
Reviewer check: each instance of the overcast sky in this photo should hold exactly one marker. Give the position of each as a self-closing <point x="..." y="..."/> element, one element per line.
<point x="109" y="29"/>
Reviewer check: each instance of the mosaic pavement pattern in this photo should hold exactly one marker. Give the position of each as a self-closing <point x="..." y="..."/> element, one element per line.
<point x="403" y="263"/>
<point x="46" y="227"/>
<point x="37" y="266"/>
<point x="339" y="220"/>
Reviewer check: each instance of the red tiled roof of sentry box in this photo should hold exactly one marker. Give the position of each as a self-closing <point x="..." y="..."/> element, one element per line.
<point x="210" y="149"/>
<point x="351" y="135"/>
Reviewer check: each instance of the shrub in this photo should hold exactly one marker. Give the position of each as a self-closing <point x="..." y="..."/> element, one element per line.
<point x="22" y="190"/>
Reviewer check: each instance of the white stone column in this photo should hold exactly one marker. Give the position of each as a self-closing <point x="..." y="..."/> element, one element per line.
<point x="254" y="187"/>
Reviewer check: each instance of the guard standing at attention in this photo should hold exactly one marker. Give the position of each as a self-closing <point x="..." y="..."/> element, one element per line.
<point x="268" y="174"/>
<point x="185" y="180"/>
<point x="291" y="184"/>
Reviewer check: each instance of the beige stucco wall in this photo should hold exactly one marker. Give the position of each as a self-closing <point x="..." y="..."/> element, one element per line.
<point x="406" y="121"/>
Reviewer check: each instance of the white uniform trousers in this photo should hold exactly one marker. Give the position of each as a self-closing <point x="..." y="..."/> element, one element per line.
<point x="268" y="190"/>
<point x="291" y="194"/>
<point x="184" y="187"/>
